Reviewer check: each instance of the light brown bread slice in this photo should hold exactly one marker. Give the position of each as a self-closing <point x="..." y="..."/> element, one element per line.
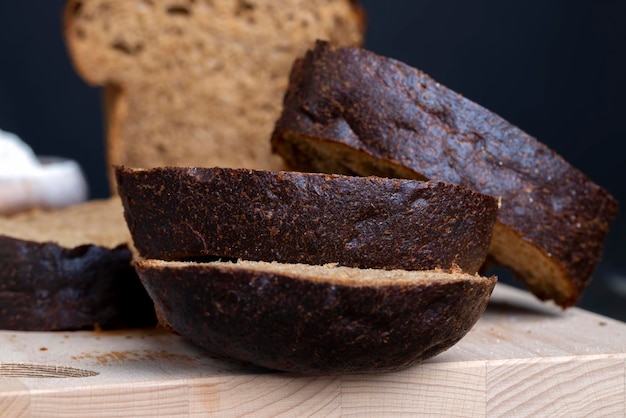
<point x="198" y="82"/>
<point x="316" y="319"/>
<point x="348" y="110"/>
<point x="70" y="269"/>
<point x="177" y="213"/>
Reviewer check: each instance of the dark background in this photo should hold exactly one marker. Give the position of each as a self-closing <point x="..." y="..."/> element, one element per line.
<point x="554" y="68"/>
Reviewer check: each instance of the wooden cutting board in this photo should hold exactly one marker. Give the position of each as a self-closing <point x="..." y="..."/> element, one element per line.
<point x="523" y="358"/>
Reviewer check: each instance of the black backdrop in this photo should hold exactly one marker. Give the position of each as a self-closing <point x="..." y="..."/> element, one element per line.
<point x="554" y="68"/>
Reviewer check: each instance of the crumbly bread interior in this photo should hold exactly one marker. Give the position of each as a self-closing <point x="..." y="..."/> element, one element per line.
<point x="331" y="157"/>
<point x="99" y="222"/>
<point x="541" y="274"/>
<point x="198" y="82"/>
<point x="347" y="276"/>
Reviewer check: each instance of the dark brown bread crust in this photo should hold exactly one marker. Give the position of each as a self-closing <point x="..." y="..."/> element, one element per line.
<point x="397" y="121"/>
<point x="45" y="287"/>
<point x="283" y="322"/>
<point x="184" y="213"/>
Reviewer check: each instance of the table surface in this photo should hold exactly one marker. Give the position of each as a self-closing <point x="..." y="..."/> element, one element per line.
<point x="523" y="358"/>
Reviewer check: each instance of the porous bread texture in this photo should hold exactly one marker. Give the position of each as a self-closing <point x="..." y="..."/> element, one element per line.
<point x="333" y="273"/>
<point x="198" y="82"/>
<point x="98" y="222"/>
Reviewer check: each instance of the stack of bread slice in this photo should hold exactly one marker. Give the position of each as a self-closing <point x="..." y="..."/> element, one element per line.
<point x="374" y="266"/>
<point x="185" y="82"/>
<point x="310" y="273"/>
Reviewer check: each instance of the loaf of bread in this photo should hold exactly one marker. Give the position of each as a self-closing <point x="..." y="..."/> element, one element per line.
<point x="348" y="110"/>
<point x="70" y="269"/>
<point x="316" y="319"/>
<point x="177" y="213"/>
<point x="198" y="82"/>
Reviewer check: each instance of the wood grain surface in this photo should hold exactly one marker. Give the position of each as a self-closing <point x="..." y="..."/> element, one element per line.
<point x="523" y="358"/>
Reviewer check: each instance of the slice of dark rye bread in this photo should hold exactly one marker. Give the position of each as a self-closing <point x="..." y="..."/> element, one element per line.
<point x="70" y="269"/>
<point x="348" y="110"/>
<point x="177" y="213"/>
<point x="316" y="319"/>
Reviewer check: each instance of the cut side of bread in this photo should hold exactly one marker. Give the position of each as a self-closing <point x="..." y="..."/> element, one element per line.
<point x="316" y="319"/>
<point x="198" y="82"/>
<point x="177" y="213"/>
<point x="350" y="111"/>
<point x="70" y="269"/>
